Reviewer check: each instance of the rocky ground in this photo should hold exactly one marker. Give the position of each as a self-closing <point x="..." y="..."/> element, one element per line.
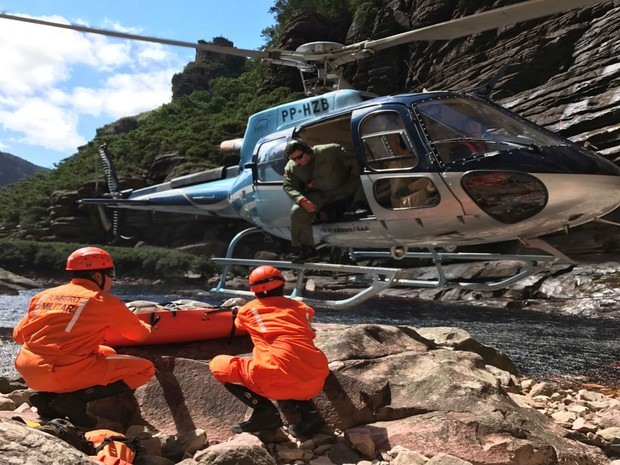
<point x="395" y="396"/>
<point x="559" y="423"/>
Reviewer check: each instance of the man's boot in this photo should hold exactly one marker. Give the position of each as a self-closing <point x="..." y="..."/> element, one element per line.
<point x="103" y="391"/>
<point x="265" y="415"/>
<point x="41" y="401"/>
<point x="308" y="253"/>
<point x="309" y="420"/>
<point x="73" y="404"/>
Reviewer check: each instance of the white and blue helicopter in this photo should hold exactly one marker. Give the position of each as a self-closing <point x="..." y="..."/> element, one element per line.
<point x="439" y="170"/>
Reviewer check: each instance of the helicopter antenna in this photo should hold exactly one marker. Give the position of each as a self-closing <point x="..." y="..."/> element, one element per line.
<point x="408" y="65"/>
<point x="485" y="90"/>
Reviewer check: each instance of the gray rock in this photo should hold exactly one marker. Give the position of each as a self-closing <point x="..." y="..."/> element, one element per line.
<point x="459" y="339"/>
<point x="23" y="445"/>
<point x="243" y="449"/>
<point x="399" y="387"/>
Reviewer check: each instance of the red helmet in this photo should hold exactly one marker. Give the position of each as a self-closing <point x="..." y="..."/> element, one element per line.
<point x="89" y="258"/>
<point x="265" y="278"/>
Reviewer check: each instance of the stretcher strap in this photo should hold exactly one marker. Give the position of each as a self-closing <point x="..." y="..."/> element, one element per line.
<point x="233" y="313"/>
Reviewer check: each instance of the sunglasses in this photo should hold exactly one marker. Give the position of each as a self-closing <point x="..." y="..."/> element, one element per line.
<point x="299" y="157"/>
<point x="111" y="273"/>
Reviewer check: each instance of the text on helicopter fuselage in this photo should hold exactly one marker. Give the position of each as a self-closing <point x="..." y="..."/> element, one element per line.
<point x="311" y="108"/>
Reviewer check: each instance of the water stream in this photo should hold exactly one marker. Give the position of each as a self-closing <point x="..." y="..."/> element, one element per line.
<point x="542" y="345"/>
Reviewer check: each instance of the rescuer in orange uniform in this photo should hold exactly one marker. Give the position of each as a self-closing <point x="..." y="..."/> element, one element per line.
<point x="285" y="365"/>
<point x="62" y="356"/>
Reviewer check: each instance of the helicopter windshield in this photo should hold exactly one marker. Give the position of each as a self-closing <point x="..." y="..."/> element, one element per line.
<point x="460" y="128"/>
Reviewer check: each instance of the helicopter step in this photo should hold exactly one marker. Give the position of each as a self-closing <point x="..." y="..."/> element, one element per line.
<point x="376" y="279"/>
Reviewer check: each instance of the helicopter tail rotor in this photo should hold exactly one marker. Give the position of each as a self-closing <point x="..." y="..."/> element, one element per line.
<point x="118" y="217"/>
<point x="108" y="169"/>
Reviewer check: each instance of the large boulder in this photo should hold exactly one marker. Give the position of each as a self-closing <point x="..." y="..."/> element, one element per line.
<point x="406" y="388"/>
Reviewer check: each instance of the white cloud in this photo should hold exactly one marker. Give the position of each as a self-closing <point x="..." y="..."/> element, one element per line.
<point x="124" y="94"/>
<point x="52" y="79"/>
<point x="42" y="123"/>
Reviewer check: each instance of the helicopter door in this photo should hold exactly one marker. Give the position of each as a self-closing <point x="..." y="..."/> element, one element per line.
<point x="399" y="175"/>
<point x="272" y="205"/>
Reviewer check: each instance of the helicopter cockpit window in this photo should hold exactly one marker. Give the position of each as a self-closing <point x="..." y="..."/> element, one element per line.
<point x="460" y="128"/>
<point x="271" y="161"/>
<point x="386" y="144"/>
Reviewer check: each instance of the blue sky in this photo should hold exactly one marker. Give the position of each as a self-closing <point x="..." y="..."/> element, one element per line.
<point x="57" y="87"/>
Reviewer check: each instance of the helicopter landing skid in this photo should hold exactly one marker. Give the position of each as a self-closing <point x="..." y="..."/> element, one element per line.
<point x="377" y="279"/>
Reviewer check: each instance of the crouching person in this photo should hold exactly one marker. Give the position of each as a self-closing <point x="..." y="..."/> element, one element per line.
<point x="285" y="365"/>
<point x="62" y="357"/>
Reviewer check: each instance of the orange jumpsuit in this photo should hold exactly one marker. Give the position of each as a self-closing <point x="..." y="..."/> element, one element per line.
<point x="285" y="364"/>
<point x="62" y="333"/>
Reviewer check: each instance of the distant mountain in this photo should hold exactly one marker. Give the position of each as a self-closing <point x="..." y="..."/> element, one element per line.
<point x="13" y="168"/>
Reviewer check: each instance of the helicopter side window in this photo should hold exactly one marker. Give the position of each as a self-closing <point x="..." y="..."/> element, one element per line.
<point x="386" y="144"/>
<point x="406" y="192"/>
<point x="271" y="161"/>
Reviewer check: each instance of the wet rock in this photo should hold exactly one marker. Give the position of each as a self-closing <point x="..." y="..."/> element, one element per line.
<point x="11" y="283"/>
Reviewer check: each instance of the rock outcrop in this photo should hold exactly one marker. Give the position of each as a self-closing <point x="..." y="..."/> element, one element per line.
<point x="10" y="283"/>
<point x="395" y="395"/>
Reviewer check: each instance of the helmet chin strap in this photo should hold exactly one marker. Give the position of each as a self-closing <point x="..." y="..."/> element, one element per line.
<point x="99" y="284"/>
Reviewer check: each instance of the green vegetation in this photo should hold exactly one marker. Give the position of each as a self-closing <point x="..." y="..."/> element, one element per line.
<point x="49" y="259"/>
<point x="284" y="10"/>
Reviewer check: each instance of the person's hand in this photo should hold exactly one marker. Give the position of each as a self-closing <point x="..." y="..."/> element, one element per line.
<point x="234" y="302"/>
<point x="310" y="207"/>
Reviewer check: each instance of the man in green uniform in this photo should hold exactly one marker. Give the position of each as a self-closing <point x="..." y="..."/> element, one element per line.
<point x="313" y="178"/>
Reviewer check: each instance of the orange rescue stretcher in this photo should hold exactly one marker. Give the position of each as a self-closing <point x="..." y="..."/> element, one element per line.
<point x="179" y="321"/>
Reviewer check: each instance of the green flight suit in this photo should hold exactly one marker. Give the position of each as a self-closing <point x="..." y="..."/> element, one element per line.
<point x="332" y="174"/>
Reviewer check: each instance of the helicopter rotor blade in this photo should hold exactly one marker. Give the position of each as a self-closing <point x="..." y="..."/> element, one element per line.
<point x="483" y="21"/>
<point x="310" y="59"/>
<point x="263" y="55"/>
<point x="461" y="27"/>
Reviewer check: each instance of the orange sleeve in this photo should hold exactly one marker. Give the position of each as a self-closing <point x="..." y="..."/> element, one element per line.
<point x="18" y="334"/>
<point x="18" y="337"/>
<point x="124" y="321"/>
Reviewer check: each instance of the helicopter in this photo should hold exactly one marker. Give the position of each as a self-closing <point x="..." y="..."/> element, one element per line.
<point x="439" y="169"/>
